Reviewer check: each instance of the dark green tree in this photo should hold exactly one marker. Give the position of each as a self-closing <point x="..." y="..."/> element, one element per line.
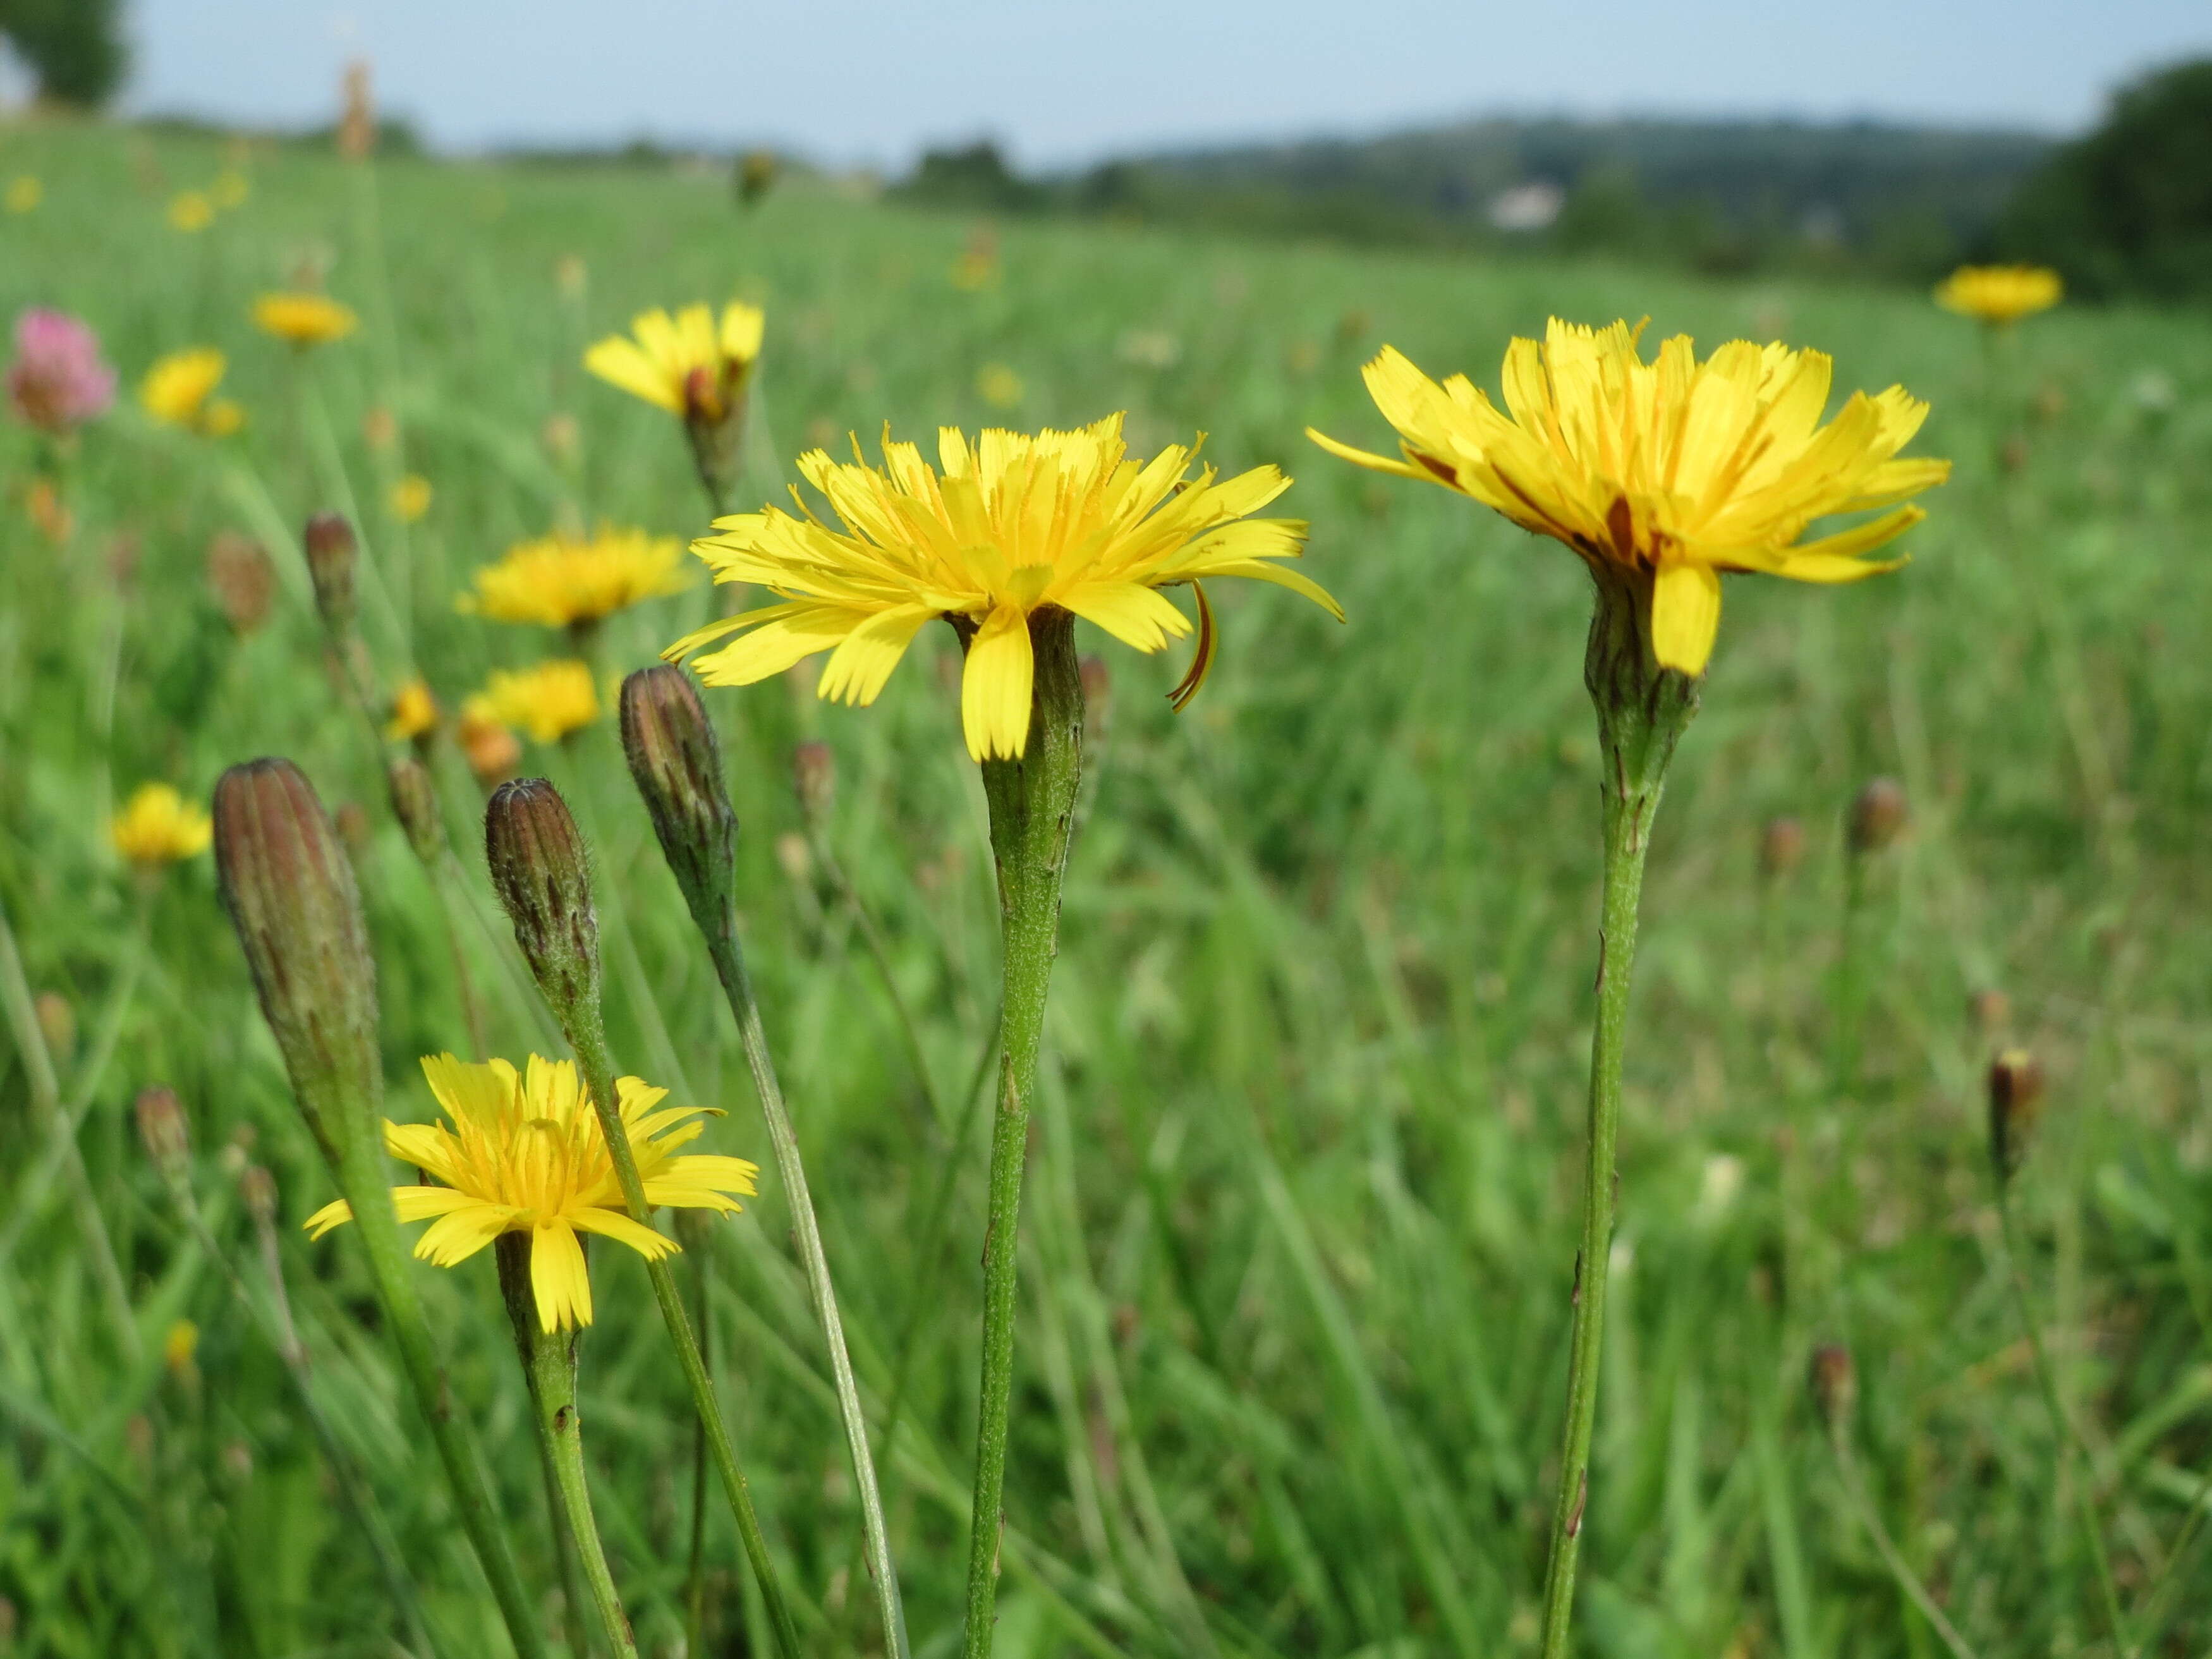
<point x="74" y="47"/>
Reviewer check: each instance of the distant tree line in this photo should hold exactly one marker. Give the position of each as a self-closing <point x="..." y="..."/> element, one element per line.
<point x="74" y="47"/>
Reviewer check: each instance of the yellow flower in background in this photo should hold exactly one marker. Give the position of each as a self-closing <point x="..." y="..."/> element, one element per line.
<point x="179" y="1346"/>
<point x="999" y="385"/>
<point x="411" y="498"/>
<point x="303" y="320"/>
<point x="2000" y="293"/>
<point x="230" y="188"/>
<point x="976" y="269"/>
<point x="492" y="751"/>
<point x="688" y="364"/>
<point x="1671" y="471"/>
<point x="548" y="700"/>
<point x="25" y="192"/>
<point x="178" y="390"/>
<point x="190" y="211"/>
<point x="1013" y="524"/>
<point x="414" y="712"/>
<point x="525" y="1154"/>
<point x="560" y="580"/>
<point x="158" y="826"/>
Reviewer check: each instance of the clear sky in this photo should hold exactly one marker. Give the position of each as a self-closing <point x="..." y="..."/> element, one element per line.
<point x="1066" y="81"/>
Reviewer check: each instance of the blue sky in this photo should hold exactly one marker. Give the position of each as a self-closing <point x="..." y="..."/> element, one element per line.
<point x="1060" y="82"/>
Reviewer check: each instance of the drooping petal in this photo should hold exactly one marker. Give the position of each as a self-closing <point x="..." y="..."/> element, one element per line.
<point x="995" y="686"/>
<point x="336" y="1214"/>
<point x="1367" y="459"/>
<point x="1685" y="614"/>
<point x="613" y="1224"/>
<point x="559" y="1280"/>
<point x="1131" y="612"/>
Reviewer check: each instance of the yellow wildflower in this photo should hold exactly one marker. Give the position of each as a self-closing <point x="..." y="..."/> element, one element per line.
<point x="179" y="1345"/>
<point x="687" y="364"/>
<point x="548" y="700"/>
<point x="230" y="188"/>
<point x="179" y="390"/>
<point x="2000" y="293"/>
<point x="410" y="497"/>
<point x="25" y="192"/>
<point x="525" y="1154"/>
<point x="190" y="211"/>
<point x="492" y="752"/>
<point x="414" y="712"/>
<point x="560" y="580"/>
<point x="999" y="385"/>
<point x="1670" y="472"/>
<point x="1015" y="524"/>
<point x="158" y="826"/>
<point x="303" y="320"/>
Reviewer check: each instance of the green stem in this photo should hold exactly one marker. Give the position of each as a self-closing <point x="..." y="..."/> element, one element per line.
<point x="587" y="1035"/>
<point x="2062" y="1426"/>
<point x="1885" y="1546"/>
<point x="1032" y="802"/>
<point x="696" y="1231"/>
<point x="549" y="1360"/>
<point x="573" y="1627"/>
<point x="1642" y="711"/>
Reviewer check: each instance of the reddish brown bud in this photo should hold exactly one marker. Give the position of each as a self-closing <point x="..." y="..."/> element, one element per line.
<point x="1835" y="1382"/>
<point x="351" y="821"/>
<point x="1991" y="1010"/>
<point x="1781" y="847"/>
<point x="814" y="778"/>
<point x="257" y="1188"/>
<point x="415" y="804"/>
<point x="1878" y="815"/>
<point x="331" y="549"/>
<point x="162" y="1133"/>
<point x="243" y="580"/>
<point x="2015" y="1103"/>
<point x="676" y="765"/>
<point x="544" y="879"/>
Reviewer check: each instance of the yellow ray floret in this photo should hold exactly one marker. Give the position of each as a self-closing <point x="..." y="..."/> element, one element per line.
<point x="547" y="700"/>
<point x="414" y="712"/>
<point x="525" y="1153"/>
<point x="559" y="578"/>
<point x="2000" y="293"/>
<point x="688" y="364"/>
<point x="303" y="320"/>
<point x="179" y="390"/>
<point x="1006" y="525"/>
<point x="1675" y="471"/>
<point x="158" y="826"/>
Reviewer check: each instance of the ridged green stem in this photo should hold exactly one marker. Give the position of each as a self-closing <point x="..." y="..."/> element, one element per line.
<point x="1032" y="802"/>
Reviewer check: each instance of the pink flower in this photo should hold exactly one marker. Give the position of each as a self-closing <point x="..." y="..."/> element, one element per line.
<point x="58" y="381"/>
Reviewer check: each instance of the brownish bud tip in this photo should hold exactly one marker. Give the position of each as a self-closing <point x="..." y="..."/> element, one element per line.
<point x="56" y="1024"/>
<point x="256" y="1187"/>
<point x="415" y="804"/>
<point x="1991" y="1010"/>
<point x="1879" y="814"/>
<point x="329" y="544"/>
<point x="163" y="1133"/>
<point x="1835" y="1382"/>
<point x="291" y="896"/>
<point x="1781" y="846"/>
<point x="544" y="879"/>
<point x="814" y="778"/>
<point x="677" y="766"/>
<point x="2016" y="1103"/>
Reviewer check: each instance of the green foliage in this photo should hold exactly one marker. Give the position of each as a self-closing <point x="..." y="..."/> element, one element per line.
<point x="76" y="47"/>
<point x="975" y="178"/>
<point x="1300" y="1223"/>
<point x="2128" y="210"/>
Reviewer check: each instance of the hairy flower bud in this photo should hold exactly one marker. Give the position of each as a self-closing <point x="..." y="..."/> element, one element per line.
<point x="256" y="1187"/>
<point x="291" y="896"/>
<point x="677" y="766"/>
<point x="415" y="804"/>
<point x="329" y="544"/>
<point x="162" y="1133"/>
<point x="1835" y="1382"/>
<point x="1781" y="846"/>
<point x="1878" y="815"/>
<point x="814" y="778"/>
<point x="2016" y="1103"/>
<point x="545" y="882"/>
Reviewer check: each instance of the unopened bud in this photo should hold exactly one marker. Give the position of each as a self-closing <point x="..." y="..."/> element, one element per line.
<point x="1781" y="846"/>
<point x="677" y="766"/>
<point x="1835" y="1382"/>
<point x="257" y="1188"/>
<point x="56" y="1024"/>
<point x="539" y="867"/>
<point x="415" y="804"/>
<point x="329" y="544"/>
<point x="243" y="580"/>
<point x="814" y="778"/>
<point x="1878" y="815"/>
<point x="291" y="896"/>
<point x="162" y="1133"/>
<point x="2016" y="1103"/>
<point x="351" y="821"/>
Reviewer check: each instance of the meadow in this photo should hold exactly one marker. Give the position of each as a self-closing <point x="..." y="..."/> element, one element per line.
<point x="1300" y="1227"/>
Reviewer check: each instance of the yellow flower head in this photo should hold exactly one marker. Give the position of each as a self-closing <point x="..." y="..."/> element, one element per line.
<point x="179" y="1346"/>
<point x="558" y="580"/>
<point x="303" y="320"/>
<point x="2000" y="293"/>
<point x="548" y="700"/>
<point x="1671" y="471"/>
<point x="190" y="211"/>
<point x="179" y="388"/>
<point x="1014" y="525"/>
<point x="999" y="385"/>
<point x="525" y="1154"/>
<point x="687" y="364"/>
<point x="410" y="497"/>
<point x="414" y="712"/>
<point x="158" y="826"/>
<point x="25" y="192"/>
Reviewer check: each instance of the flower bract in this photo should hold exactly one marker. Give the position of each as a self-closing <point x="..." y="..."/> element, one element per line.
<point x="560" y="580"/>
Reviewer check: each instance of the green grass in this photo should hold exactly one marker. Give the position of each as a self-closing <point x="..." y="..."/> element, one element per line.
<point x="1302" y="1205"/>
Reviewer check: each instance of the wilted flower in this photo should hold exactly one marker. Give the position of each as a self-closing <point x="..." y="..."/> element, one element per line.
<point x="179" y="390"/>
<point x="158" y="827"/>
<point x="303" y="320"/>
<point x="1664" y="474"/>
<point x="1999" y="295"/>
<point x="58" y="380"/>
<point x="1014" y="525"/>
<point x="561" y="580"/>
<point x="525" y="1154"/>
<point x="548" y="700"/>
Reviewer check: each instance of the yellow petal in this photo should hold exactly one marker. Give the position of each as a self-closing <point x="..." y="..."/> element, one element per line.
<point x="1131" y="612"/>
<point x="1367" y="458"/>
<point x="619" y="363"/>
<point x="609" y="1224"/>
<point x="774" y="648"/>
<point x="994" y="688"/>
<point x="558" y="1279"/>
<point x="330" y="1216"/>
<point x="1685" y="614"/>
<point x="861" y="663"/>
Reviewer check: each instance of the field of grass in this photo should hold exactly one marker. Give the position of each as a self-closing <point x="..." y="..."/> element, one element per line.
<point x="1300" y="1221"/>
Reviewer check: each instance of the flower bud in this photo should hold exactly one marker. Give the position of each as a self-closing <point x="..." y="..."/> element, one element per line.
<point x="256" y="1187"/>
<point x="351" y="821"/>
<point x="677" y="765"/>
<point x="162" y="1133"/>
<point x="1835" y="1382"/>
<point x="243" y="580"/>
<point x="1781" y="846"/>
<point x="56" y="1024"/>
<point x="415" y="804"/>
<point x="814" y="777"/>
<point x="544" y="879"/>
<point x="1992" y="1011"/>
<point x="291" y="896"/>
<point x="1878" y="815"/>
<point x="331" y="549"/>
<point x="2016" y="1103"/>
